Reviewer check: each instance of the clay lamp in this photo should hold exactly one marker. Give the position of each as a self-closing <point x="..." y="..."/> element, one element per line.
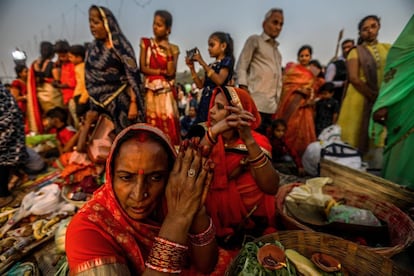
<point x="325" y="262"/>
<point x="271" y="256"/>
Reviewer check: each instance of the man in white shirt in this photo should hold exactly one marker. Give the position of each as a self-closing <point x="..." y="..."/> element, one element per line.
<point x="259" y="68"/>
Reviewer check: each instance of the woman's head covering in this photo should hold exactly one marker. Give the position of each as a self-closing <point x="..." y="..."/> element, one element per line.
<point x="105" y="211"/>
<point x="130" y="132"/>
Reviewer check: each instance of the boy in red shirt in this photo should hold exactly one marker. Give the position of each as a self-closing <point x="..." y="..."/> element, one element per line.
<point x="66" y="135"/>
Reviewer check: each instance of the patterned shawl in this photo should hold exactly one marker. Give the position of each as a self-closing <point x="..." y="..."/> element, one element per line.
<point x="106" y="69"/>
<point x="12" y="143"/>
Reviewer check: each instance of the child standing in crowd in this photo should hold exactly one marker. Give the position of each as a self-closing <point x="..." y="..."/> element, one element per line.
<point x="65" y="71"/>
<point x="220" y="72"/>
<point x="188" y="120"/>
<point x="80" y="102"/>
<point x="158" y="62"/>
<point x="65" y="134"/>
<point x="285" y="160"/>
<point x="326" y="108"/>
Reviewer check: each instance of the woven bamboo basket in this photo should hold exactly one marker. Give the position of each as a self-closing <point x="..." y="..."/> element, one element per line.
<point x="355" y="259"/>
<point x="400" y="226"/>
<point x="369" y="184"/>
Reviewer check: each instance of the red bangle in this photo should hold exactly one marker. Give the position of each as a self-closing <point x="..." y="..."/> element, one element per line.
<point x="166" y="256"/>
<point x="169" y="58"/>
<point x="205" y="237"/>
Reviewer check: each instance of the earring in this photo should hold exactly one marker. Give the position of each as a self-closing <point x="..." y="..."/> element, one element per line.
<point x="145" y="195"/>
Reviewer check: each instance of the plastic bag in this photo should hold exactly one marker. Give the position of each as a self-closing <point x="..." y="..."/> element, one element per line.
<point x="352" y="215"/>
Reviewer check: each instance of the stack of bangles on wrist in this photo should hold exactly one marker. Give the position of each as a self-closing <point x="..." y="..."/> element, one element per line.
<point x="166" y="256"/>
<point x="205" y="237"/>
<point x="259" y="161"/>
<point x="209" y="136"/>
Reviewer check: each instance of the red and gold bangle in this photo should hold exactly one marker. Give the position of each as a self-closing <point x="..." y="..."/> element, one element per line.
<point x="257" y="158"/>
<point x="210" y="137"/>
<point x="166" y="256"/>
<point x="261" y="164"/>
<point x="205" y="237"/>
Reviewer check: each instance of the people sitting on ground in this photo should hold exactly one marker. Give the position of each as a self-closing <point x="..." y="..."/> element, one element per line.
<point x="326" y="108"/>
<point x="285" y="160"/>
<point x="241" y="199"/>
<point x="149" y="217"/>
<point x="66" y="135"/>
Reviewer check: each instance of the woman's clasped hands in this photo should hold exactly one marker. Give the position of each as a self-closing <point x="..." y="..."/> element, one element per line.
<point x="189" y="180"/>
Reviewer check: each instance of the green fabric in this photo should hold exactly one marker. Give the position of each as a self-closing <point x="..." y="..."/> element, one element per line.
<point x="397" y="95"/>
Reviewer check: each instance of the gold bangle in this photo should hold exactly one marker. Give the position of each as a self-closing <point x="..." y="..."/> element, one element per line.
<point x="210" y="136"/>
<point x="262" y="165"/>
<point x="210" y="72"/>
<point x="260" y="155"/>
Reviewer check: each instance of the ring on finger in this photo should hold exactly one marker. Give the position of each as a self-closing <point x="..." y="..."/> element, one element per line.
<point x="191" y="173"/>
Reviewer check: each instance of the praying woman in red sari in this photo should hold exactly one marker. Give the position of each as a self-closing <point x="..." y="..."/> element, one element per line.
<point x="149" y="216"/>
<point x="241" y="199"/>
<point x="300" y="84"/>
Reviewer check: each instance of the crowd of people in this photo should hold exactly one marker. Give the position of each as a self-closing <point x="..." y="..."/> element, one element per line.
<point x="192" y="173"/>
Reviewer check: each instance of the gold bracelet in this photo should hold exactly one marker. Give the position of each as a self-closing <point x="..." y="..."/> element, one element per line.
<point x="210" y="136"/>
<point x="262" y="165"/>
<point x="210" y="72"/>
<point x="260" y="155"/>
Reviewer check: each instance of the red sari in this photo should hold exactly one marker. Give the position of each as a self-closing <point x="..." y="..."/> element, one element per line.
<point x="293" y="109"/>
<point x="101" y="233"/>
<point x="232" y="196"/>
<point x="33" y="114"/>
<point x="161" y="106"/>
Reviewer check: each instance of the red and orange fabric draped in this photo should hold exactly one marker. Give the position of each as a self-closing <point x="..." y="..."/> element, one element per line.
<point x="299" y="85"/>
<point x="33" y="114"/>
<point x="231" y="199"/>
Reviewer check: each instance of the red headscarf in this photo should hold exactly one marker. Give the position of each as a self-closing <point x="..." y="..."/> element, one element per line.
<point x="230" y="200"/>
<point x="133" y="237"/>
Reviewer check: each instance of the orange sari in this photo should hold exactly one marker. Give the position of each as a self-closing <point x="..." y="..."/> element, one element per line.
<point x="298" y="82"/>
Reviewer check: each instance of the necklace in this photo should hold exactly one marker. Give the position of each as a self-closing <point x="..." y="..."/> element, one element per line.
<point x="376" y="54"/>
